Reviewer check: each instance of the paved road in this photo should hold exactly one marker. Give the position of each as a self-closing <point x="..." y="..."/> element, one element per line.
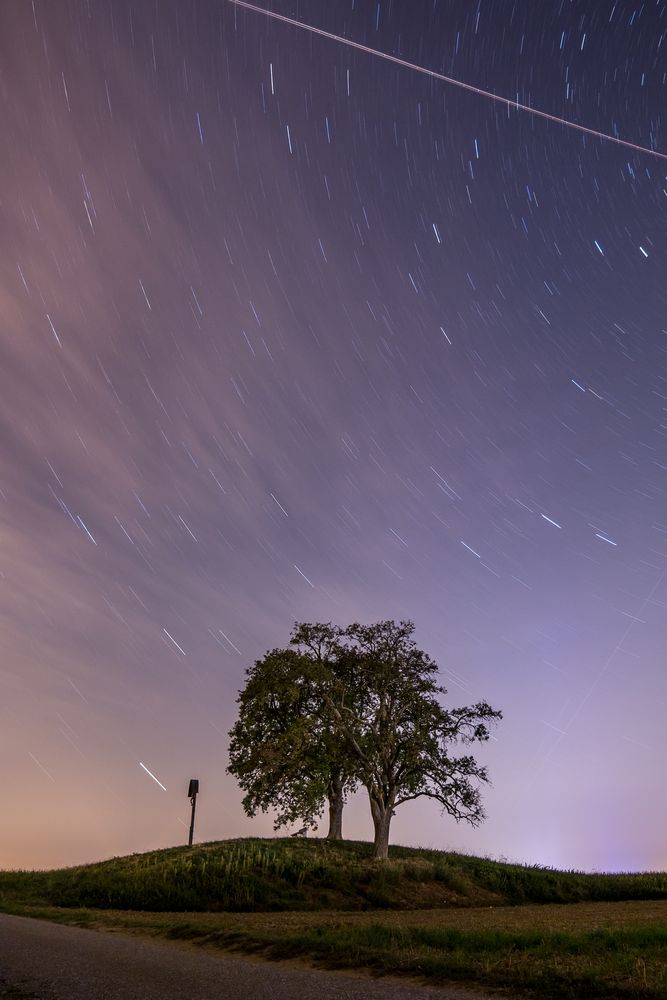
<point x="43" y="961"/>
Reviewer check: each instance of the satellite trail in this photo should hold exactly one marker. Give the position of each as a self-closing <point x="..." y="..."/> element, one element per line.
<point x="446" y="79"/>
<point x="152" y="776"/>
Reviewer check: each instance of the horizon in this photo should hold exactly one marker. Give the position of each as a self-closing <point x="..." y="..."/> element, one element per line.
<point x="323" y="839"/>
<point x="294" y="333"/>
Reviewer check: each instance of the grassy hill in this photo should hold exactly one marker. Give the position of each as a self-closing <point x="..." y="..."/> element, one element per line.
<point x="254" y="875"/>
<point x="438" y="916"/>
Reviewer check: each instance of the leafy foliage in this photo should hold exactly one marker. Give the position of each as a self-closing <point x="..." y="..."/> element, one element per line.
<point x="281" y="751"/>
<point x="380" y="696"/>
<point x="359" y="705"/>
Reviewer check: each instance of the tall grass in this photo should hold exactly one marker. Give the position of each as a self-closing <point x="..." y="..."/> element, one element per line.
<point x="618" y="964"/>
<point x="255" y="875"/>
<point x="538" y="884"/>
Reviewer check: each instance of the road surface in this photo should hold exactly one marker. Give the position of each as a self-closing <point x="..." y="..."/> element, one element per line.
<point x="43" y="961"/>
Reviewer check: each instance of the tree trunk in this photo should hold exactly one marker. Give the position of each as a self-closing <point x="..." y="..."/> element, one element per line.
<point x="335" y="819"/>
<point x="381" y="821"/>
<point x="336" y="803"/>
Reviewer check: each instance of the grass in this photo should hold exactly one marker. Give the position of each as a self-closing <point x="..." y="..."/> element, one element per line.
<point x="438" y="916"/>
<point x="290" y="874"/>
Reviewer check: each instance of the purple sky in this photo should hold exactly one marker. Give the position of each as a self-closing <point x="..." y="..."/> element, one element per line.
<point x="290" y="333"/>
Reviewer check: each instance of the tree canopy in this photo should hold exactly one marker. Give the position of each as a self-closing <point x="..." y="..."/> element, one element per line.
<point x="355" y="706"/>
<point x="281" y="751"/>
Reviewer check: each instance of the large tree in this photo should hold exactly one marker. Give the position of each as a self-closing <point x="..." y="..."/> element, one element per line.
<point x="359" y="705"/>
<point x="281" y="752"/>
<point x="379" y="693"/>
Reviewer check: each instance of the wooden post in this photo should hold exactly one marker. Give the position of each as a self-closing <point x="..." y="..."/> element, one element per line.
<point x="193" y="788"/>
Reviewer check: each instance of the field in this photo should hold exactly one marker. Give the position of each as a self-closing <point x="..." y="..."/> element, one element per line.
<point x="438" y="916"/>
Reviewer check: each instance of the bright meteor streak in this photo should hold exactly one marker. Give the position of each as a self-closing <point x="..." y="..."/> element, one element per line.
<point x="446" y="79"/>
<point x="150" y="773"/>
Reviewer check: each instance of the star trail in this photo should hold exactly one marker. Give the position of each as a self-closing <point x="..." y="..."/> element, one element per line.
<point x="332" y="311"/>
<point x="415" y="67"/>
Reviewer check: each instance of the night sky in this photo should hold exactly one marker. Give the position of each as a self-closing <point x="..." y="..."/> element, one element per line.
<point x="292" y="333"/>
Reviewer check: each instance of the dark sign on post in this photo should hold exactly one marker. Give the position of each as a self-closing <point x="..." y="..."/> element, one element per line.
<point x="193" y="789"/>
